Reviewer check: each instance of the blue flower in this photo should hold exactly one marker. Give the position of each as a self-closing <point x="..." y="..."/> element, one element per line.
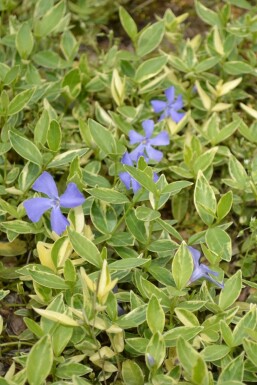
<point x="145" y="148"/>
<point x="36" y="207"/>
<point x="201" y="270"/>
<point x="171" y="107"/>
<point x="127" y="179"/>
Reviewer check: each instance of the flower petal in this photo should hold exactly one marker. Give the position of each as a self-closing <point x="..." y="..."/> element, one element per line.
<point x="207" y="270"/>
<point x="148" y="126"/>
<point x="125" y="177"/>
<point x="135" y="137"/>
<point x="164" y="115"/>
<point x="195" y="254"/>
<point x="162" y="139"/>
<point x="126" y="159"/>
<point x="155" y="177"/>
<point x="154" y="154"/>
<point x="197" y="274"/>
<point x="176" y="116"/>
<point x="158" y="105"/>
<point x="72" y="197"/>
<point x="58" y="221"/>
<point x="178" y="104"/>
<point x="170" y="94"/>
<point x="36" y="207"/>
<point x="209" y="278"/>
<point x="135" y="185"/>
<point x="137" y="152"/>
<point x="46" y="184"/>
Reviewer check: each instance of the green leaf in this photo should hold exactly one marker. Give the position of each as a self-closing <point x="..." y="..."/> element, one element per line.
<point x="57" y="317"/>
<point x="234" y="370"/>
<point x="24" y="41"/>
<point x="132" y="373"/>
<point x="128" y="23"/>
<point x="182" y="266"/>
<point x="20" y="227"/>
<point x="206" y="64"/>
<point x="205" y="160"/>
<point x="39" y="361"/>
<point x="146" y="214"/>
<point x="237" y="68"/>
<point x="219" y="242"/>
<point x="250" y="348"/>
<point x="214" y="352"/>
<point x="103" y="218"/>
<point x="155" y="352"/>
<point x="134" y="318"/>
<point x="175" y="187"/>
<point x="48" y="279"/>
<point x="247" y="322"/>
<point x="168" y="227"/>
<point x="60" y="338"/>
<point x="92" y="179"/>
<point x="54" y="136"/>
<point x="70" y="369"/>
<point x="72" y="83"/>
<point x="187" y="332"/>
<point x="69" y="45"/>
<point x="49" y="59"/>
<point x="162" y="245"/>
<point x="85" y="248"/>
<point x="66" y="157"/>
<point x="180" y="204"/>
<point x="136" y="227"/>
<point x="195" y="366"/>
<point x="226" y="132"/>
<point x="127" y="264"/>
<point x="231" y="291"/>
<point x="25" y="148"/>
<point x="34" y="327"/>
<point x="207" y="15"/>
<point x="102" y="137"/>
<point x="186" y="317"/>
<point x="69" y="271"/>
<point x="121" y="240"/>
<point x="237" y="172"/>
<point x="41" y="128"/>
<point x="150" y="38"/>
<point x="108" y="195"/>
<point x="28" y="175"/>
<point x="204" y="199"/>
<point x="155" y="315"/>
<point x="150" y="68"/>
<point x="20" y="101"/>
<point x="224" y="205"/>
<point x="137" y="344"/>
<point x="50" y="20"/>
<point x="142" y="178"/>
<point x="226" y="333"/>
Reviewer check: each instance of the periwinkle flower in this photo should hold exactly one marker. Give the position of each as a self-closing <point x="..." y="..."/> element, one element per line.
<point x="201" y="270"/>
<point x="170" y="107"/>
<point x="127" y="179"/>
<point x="146" y="142"/>
<point x="36" y="207"/>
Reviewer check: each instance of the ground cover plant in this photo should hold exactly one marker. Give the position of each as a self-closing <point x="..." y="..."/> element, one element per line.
<point x="128" y="170"/>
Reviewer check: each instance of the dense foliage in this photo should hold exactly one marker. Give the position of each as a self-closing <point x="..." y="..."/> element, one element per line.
<point x="128" y="171"/>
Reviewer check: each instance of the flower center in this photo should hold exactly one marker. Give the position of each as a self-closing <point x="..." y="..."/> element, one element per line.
<point x="55" y="202"/>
